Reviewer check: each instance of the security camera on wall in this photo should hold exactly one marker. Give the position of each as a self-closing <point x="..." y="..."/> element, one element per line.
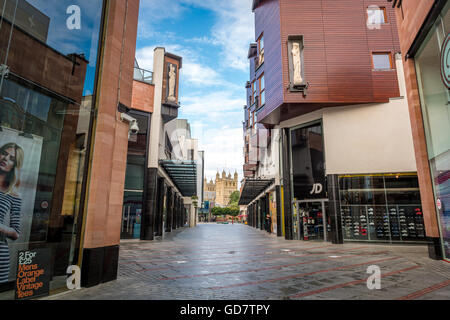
<point x="134" y="128"/>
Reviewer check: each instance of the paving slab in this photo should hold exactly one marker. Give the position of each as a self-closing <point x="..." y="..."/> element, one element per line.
<point x="235" y="261"/>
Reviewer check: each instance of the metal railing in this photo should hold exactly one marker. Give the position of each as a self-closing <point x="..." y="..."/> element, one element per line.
<point x="143" y="75"/>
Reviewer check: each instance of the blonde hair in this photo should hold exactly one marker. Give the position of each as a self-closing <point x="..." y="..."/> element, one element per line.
<point x="13" y="177"/>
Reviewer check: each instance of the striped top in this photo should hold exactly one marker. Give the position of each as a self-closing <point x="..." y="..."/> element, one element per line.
<point x="11" y="204"/>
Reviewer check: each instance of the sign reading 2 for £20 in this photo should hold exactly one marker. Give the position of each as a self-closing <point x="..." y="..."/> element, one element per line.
<point x="445" y="62"/>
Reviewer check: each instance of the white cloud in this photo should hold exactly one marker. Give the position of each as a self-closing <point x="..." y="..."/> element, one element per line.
<point x="233" y="30"/>
<point x="204" y="40"/>
<point x="223" y="148"/>
<point x="193" y="73"/>
<point x="197" y="74"/>
<point x="214" y="105"/>
<point x="154" y="11"/>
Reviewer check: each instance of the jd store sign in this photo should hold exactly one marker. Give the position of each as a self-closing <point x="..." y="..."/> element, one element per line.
<point x="445" y="62"/>
<point x="310" y="189"/>
<point x="316" y="189"/>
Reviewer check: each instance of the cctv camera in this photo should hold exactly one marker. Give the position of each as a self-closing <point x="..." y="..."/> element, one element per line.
<point x="134" y="128"/>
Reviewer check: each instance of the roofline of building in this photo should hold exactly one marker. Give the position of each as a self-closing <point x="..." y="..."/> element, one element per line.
<point x="255" y="4"/>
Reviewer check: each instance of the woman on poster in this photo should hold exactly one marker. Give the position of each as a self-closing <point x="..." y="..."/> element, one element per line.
<point x="11" y="161"/>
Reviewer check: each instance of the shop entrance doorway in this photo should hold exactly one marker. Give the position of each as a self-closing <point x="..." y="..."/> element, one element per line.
<point x="311" y="220"/>
<point x="131" y="215"/>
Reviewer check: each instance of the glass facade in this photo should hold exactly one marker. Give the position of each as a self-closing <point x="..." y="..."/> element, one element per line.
<point x="435" y="102"/>
<point x="308" y="162"/>
<point x="135" y="178"/>
<point x="381" y="207"/>
<point x="48" y="62"/>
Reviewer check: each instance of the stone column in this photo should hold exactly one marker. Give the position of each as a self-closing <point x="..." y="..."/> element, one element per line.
<point x="100" y="237"/>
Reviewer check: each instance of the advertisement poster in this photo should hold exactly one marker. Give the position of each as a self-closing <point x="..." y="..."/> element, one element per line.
<point x="20" y="157"/>
<point x="273" y="211"/>
<point x="33" y="274"/>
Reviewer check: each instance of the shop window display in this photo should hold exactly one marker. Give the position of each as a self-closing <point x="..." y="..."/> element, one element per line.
<point x="381" y="208"/>
<point x="48" y="57"/>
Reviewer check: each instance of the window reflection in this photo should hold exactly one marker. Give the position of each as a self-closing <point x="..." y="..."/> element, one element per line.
<point x="46" y="96"/>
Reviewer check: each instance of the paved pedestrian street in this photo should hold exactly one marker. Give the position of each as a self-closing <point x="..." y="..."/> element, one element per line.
<point x="234" y="261"/>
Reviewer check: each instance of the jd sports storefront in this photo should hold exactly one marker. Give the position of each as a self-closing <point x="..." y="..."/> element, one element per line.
<point x="351" y="207"/>
<point x="310" y="202"/>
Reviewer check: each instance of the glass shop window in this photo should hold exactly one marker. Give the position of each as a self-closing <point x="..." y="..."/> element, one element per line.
<point x="384" y="208"/>
<point x="50" y="49"/>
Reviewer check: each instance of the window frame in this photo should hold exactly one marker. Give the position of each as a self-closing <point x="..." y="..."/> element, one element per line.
<point x="262" y="77"/>
<point x="379" y="53"/>
<point x="253" y="92"/>
<point x="385" y="16"/>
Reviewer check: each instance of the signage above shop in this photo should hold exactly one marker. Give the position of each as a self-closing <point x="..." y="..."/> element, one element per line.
<point x="445" y="62"/>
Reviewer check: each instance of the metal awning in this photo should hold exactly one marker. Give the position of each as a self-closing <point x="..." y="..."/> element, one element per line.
<point x="183" y="174"/>
<point x="253" y="188"/>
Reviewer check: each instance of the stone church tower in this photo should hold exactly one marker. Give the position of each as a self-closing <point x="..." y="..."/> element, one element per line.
<point x="221" y="189"/>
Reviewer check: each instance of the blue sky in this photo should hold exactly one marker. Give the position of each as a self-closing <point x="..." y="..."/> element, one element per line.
<point x="213" y="37"/>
